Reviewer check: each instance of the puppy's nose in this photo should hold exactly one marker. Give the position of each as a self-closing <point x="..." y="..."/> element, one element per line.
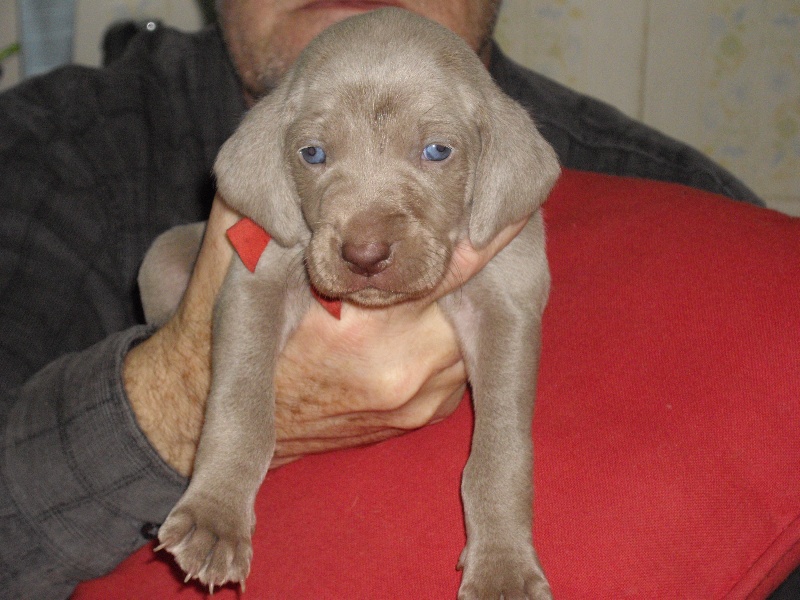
<point x="366" y="259"/>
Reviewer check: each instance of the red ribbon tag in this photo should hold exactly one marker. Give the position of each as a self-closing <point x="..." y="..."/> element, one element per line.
<point x="250" y="240"/>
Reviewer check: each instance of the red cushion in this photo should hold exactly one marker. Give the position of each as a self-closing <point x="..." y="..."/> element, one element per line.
<point x="666" y="428"/>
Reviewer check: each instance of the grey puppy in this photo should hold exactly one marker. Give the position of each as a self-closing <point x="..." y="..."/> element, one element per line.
<point x="385" y="146"/>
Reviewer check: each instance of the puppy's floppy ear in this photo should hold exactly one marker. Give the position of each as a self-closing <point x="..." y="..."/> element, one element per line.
<point x="516" y="170"/>
<point x="252" y="174"/>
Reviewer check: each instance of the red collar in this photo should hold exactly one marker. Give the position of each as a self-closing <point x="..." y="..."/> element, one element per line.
<point x="250" y="240"/>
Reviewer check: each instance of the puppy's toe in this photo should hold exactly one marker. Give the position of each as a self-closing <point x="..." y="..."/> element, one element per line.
<point x="210" y="547"/>
<point x="229" y="561"/>
<point x="502" y="574"/>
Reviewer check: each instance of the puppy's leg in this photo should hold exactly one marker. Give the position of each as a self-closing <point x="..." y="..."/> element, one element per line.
<point x="500" y="333"/>
<point x="166" y="268"/>
<point x="209" y="530"/>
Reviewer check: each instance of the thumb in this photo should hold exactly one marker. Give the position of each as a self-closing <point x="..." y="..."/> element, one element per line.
<point x="468" y="260"/>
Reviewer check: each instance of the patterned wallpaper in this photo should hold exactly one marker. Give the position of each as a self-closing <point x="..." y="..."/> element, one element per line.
<point x="550" y="36"/>
<point x="751" y="110"/>
<point x="722" y="75"/>
<point x="571" y="40"/>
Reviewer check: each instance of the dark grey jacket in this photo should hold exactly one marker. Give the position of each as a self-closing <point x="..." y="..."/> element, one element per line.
<point x="94" y="163"/>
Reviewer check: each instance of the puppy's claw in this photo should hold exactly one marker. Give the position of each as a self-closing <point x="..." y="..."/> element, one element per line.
<point x="207" y="544"/>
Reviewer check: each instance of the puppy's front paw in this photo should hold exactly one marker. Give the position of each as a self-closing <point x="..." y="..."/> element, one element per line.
<point x="209" y="544"/>
<point x="502" y="574"/>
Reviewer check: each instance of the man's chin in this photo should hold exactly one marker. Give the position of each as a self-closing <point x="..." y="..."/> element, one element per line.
<point x="298" y="27"/>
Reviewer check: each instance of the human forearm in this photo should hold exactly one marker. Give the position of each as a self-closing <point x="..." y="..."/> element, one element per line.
<point x="166" y="387"/>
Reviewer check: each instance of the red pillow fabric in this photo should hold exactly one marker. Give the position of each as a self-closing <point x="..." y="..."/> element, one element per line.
<point x="666" y="428"/>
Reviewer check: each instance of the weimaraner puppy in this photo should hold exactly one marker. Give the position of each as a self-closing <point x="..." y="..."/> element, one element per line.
<point x="386" y="145"/>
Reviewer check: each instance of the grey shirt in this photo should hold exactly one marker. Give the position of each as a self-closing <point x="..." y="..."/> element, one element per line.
<point x="94" y="163"/>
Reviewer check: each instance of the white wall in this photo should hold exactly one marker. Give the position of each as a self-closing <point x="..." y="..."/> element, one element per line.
<point x="94" y="16"/>
<point x="722" y="75"/>
<point x="91" y="21"/>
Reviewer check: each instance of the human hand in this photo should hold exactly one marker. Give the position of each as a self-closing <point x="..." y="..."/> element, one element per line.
<point x="340" y="383"/>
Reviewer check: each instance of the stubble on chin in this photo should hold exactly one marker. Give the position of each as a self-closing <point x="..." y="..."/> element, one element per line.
<point x="259" y="63"/>
<point x="265" y="67"/>
<point x="262" y="65"/>
<point x="266" y="77"/>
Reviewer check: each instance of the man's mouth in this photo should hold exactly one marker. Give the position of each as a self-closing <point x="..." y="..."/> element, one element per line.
<point x="362" y="5"/>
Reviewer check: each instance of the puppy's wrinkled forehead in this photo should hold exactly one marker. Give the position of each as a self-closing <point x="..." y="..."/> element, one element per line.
<point x="385" y="60"/>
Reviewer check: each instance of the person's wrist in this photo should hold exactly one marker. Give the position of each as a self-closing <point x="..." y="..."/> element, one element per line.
<point x="167" y="384"/>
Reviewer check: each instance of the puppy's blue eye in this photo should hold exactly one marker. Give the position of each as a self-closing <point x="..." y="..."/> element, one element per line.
<point x="436" y="152"/>
<point x="313" y="155"/>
